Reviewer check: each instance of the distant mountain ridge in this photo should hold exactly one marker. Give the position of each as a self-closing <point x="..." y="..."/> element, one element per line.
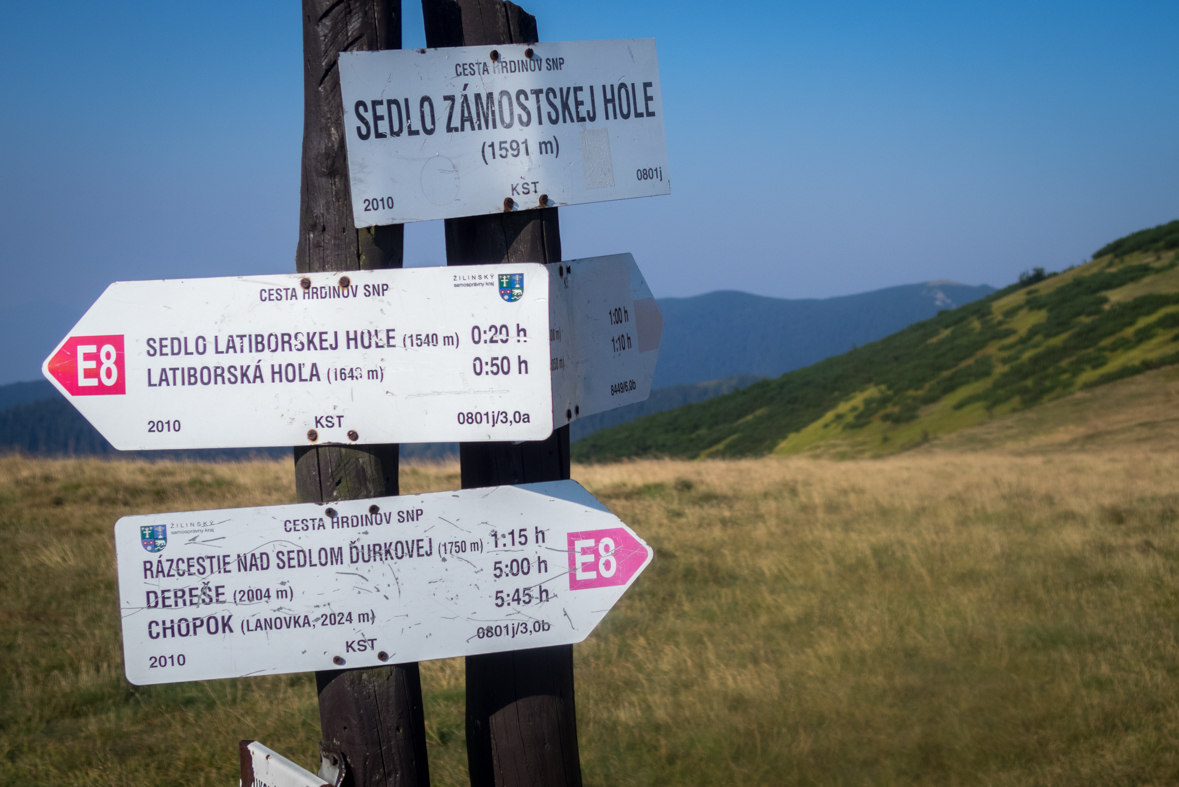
<point x="22" y="393"/>
<point x="727" y="333"/>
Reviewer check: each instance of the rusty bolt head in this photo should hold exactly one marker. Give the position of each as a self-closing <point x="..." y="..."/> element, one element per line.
<point x="337" y="660"/>
<point x="383" y="656"/>
<point x="544" y="200"/>
<point x="528" y="53"/>
<point x="495" y="56"/>
<point x="331" y="513"/>
<point x="352" y="435"/>
<point x="374" y="509"/>
<point x="312" y="435"/>
<point x="508" y="204"/>
<point x="305" y="283"/>
<point x="344" y="282"/>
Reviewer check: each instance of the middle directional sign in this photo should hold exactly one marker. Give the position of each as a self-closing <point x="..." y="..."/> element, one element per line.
<point x="301" y="588"/>
<point x="463" y="354"/>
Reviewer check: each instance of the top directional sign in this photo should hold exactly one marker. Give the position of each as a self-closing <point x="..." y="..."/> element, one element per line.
<point x="466" y="131"/>
<point x="480" y="352"/>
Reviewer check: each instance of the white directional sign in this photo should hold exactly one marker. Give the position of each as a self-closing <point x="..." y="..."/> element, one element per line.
<point x="466" y="131"/>
<point x="379" y="356"/>
<point x="300" y="588"/>
<point x="268" y="768"/>
<point x="604" y="336"/>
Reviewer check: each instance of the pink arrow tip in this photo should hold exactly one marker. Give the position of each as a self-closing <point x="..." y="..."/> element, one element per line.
<point x="604" y="558"/>
<point x="90" y="366"/>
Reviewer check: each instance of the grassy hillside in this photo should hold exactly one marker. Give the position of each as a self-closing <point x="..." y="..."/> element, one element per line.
<point x="958" y="618"/>
<point x="660" y="400"/>
<point x="1139" y="412"/>
<point x="1043" y="338"/>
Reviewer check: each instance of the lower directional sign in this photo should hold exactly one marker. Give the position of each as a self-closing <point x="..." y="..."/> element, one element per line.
<point x="301" y="588"/>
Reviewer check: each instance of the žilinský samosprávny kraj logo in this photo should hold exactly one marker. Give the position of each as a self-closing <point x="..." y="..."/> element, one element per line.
<point x="511" y="286"/>
<point x="154" y="537"/>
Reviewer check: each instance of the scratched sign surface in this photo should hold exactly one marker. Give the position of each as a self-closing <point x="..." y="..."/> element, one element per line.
<point x="467" y="131"/>
<point x="382" y="356"/>
<point x="301" y="588"/>
<point x="473" y="353"/>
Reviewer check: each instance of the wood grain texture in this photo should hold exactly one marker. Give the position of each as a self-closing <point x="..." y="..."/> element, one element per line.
<point x="328" y="241"/>
<point x="336" y="472"/>
<point x="476" y="22"/>
<point x="374" y="717"/>
<point x="521" y="719"/>
<point x="247" y="762"/>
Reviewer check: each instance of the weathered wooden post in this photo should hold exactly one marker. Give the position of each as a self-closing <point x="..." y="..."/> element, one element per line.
<point x="521" y="720"/>
<point x="372" y="717"/>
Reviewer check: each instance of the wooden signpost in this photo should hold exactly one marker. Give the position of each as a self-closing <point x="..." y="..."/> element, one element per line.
<point x="372" y="718"/>
<point x="521" y="717"/>
<point x="523" y="555"/>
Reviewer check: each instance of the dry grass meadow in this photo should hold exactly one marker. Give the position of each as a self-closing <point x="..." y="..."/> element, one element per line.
<point x="937" y="618"/>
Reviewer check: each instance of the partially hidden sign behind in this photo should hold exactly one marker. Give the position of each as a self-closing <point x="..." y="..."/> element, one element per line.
<point x="466" y="131"/>
<point x="473" y="353"/>
<point x="300" y="588"/>
<point x="263" y="767"/>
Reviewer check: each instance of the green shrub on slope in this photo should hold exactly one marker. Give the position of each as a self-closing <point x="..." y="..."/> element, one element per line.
<point x="1161" y="238"/>
<point x="754" y="420"/>
<point x="1032" y="348"/>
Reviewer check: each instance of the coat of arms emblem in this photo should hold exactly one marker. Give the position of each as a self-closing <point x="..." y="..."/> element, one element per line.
<point x="154" y="537"/>
<point x="511" y="286"/>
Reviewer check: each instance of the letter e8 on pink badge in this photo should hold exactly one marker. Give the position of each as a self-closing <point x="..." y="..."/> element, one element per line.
<point x="603" y="558"/>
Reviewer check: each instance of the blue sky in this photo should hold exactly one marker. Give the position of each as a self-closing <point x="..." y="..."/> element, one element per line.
<point x="816" y="149"/>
